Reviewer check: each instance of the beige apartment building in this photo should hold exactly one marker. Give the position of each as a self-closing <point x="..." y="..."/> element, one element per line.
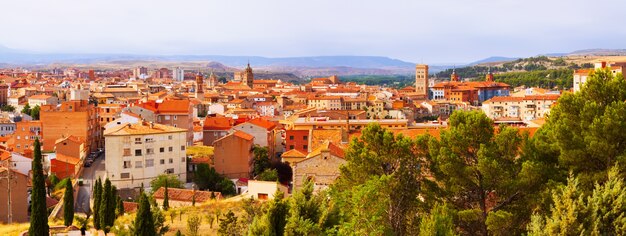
<point x="137" y="153"/>
<point x="524" y="108"/>
<point x="325" y="103"/>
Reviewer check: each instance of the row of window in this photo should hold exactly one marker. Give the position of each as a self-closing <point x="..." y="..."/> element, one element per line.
<point x="127" y="175"/>
<point x="149" y="163"/>
<point x="291" y="137"/>
<point x="138" y="152"/>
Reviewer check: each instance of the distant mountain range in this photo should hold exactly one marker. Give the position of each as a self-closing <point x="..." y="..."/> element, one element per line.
<point x="340" y="64"/>
<point x="299" y="66"/>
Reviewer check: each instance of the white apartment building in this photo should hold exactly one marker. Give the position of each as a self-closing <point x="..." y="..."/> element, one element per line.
<point x="580" y="76"/>
<point x="178" y="74"/>
<point x="137" y="153"/>
<point x="524" y="108"/>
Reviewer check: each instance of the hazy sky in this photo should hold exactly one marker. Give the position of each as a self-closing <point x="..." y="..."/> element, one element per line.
<point x="413" y="30"/>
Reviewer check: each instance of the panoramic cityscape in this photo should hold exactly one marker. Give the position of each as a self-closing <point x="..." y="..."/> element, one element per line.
<point x="312" y="118"/>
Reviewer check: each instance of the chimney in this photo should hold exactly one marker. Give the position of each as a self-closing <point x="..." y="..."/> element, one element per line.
<point x="151" y="125"/>
<point x="344" y="136"/>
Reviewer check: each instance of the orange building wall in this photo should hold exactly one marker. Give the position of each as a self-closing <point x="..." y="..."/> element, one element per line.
<point x="299" y="142"/>
<point x="81" y="121"/>
<point x="233" y="157"/>
<point x="22" y="139"/>
<point x="62" y="169"/>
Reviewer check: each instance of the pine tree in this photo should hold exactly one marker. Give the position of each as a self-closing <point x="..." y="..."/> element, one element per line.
<point x="440" y="221"/>
<point x="274" y="219"/>
<point x="105" y="206"/>
<point x="97" y="194"/>
<point x="144" y="223"/>
<point x="39" y="213"/>
<point x="68" y="204"/>
<point x="166" y="202"/>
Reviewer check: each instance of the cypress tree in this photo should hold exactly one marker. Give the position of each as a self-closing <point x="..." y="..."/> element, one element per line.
<point x="120" y="207"/>
<point x="166" y="202"/>
<point x="97" y="194"/>
<point x="112" y="207"/>
<point x="68" y="203"/>
<point x="39" y="213"/>
<point x="105" y="205"/>
<point x="144" y="223"/>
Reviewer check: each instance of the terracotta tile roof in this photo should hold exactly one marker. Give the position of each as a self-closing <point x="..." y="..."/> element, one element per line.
<point x="71" y="138"/>
<point x="4" y="155"/>
<point x="218" y="123"/>
<point x="412" y="133"/>
<point x="185" y="195"/>
<point x="130" y="207"/>
<point x="40" y="96"/>
<point x="243" y="135"/>
<point x="142" y="128"/>
<point x="552" y="97"/>
<point x="293" y="153"/>
<point x="174" y="106"/>
<point x="268" y="125"/>
<point x="67" y="159"/>
<point x="330" y="147"/>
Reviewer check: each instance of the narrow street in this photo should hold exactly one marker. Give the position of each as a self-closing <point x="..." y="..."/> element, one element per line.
<point x="90" y="174"/>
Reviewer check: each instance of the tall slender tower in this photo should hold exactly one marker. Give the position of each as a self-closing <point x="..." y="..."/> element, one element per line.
<point x="200" y="86"/>
<point x="421" y="80"/>
<point x="454" y="77"/>
<point x="248" y="77"/>
<point x="489" y="77"/>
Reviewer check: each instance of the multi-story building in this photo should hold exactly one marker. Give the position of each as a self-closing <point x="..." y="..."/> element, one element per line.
<point x="4" y="93"/>
<point x="215" y="128"/>
<point x="233" y="155"/>
<point x="40" y="100"/>
<point x="177" y="113"/>
<point x="325" y="103"/>
<point x="421" y="80"/>
<point x="263" y="132"/>
<point x="472" y="92"/>
<point x="298" y="140"/>
<point x="7" y="126"/>
<point x="178" y="74"/>
<point x="580" y="76"/>
<point x="25" y="133"/>
<point x="524" y="108"/>
<point x="79" y="93"/>
<point x="77" y="118"/>
<point x="140" y="72"/>
<point x="19" y="185"/>
<point x="137" y="153"/>
<point x="108" y="112"/>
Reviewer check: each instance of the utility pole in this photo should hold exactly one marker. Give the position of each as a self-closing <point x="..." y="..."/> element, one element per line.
<point x="8" y="177"/>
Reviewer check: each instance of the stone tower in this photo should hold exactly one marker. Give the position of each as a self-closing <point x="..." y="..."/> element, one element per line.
<point x="489" y="77"/>
<point x="212" y="80"/>
<point x="421" y="80"/>
<point x="200" y="86"/>
<point x="454" y="77"/>
<point x="248" y="77"/>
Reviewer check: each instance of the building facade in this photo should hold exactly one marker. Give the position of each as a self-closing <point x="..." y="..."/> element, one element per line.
<point x="77" y="118"/>
<point x="137" y="153"/>
<point x="233" y="155"/>
<point x="421" y="80"/>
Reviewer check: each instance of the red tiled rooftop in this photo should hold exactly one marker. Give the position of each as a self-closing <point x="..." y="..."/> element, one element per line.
<point x="218" y="123"/>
